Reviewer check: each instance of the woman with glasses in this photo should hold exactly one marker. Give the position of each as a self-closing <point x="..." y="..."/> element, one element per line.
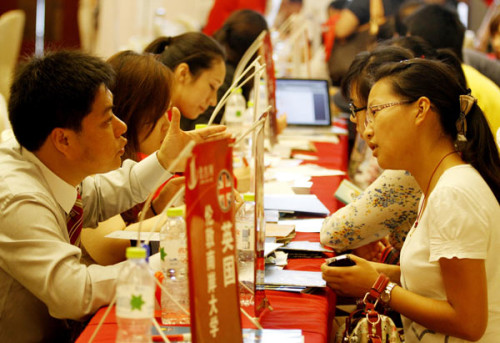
<point x="389" y="205"/>
<point x="420" y="118"/>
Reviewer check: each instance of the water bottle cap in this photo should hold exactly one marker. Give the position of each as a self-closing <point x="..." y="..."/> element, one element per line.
<point x="135" y="252"/>
<point x="249" y="197"/>
<point x="175" y="212"/>
<point x="250" y="103"/>
<point x="236" y="90"/>
<point x="200" y="126"/>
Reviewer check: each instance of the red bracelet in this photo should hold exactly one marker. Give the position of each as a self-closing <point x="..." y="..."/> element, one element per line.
<point x="378" y="287"/>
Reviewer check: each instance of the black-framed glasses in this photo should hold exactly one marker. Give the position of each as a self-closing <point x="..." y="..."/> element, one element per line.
<point x="354" y="110"/>
<point x="374" y="109"/>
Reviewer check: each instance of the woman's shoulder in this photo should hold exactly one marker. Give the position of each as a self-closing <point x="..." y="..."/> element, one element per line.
<point x="462" y="175"/>
<point x="464" y="184"/>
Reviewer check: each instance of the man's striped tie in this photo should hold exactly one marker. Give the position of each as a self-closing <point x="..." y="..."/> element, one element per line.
<point x="75" y="221"/>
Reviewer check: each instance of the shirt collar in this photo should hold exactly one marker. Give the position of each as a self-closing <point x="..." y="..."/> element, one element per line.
<point x="64" y="193"/>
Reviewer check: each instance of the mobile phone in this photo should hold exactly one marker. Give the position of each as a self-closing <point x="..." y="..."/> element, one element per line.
<point x="340" y="261"/>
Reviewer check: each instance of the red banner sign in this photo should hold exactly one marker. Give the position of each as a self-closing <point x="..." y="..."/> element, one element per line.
<point x="213" y="279"/>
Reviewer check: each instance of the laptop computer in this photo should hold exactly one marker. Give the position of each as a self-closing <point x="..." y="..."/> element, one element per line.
<point x="306" y="102"/>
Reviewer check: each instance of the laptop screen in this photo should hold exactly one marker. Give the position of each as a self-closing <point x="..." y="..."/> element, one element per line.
<point x="306" y="102"/>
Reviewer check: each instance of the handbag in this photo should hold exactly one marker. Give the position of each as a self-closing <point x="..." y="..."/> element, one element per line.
<point x="367" y="325"/>
<point x="344" y="51"/>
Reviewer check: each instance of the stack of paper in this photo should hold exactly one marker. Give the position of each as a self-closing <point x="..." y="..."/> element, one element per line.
<point x="306" y="246"/>
<point x="306" y="203"/>
<point x="284" y="277"/>
<point x="281" y="233"/>
<point x="304" y="225"/>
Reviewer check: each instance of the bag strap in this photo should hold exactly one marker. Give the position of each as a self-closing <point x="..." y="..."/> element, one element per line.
<point x="377" y="16"/>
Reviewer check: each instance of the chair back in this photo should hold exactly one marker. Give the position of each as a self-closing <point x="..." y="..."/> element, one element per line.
<point x="11" y="36"/>
<point x="5" y="129"/>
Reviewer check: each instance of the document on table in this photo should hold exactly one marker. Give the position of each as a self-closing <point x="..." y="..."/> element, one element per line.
<point x="271" y="216"/>
<point x="304" y="225"/>
<point x="305" y="246"/>
<point x="307" y="203"/>
<point x="277" y="187"/>
<point x="285" y="277"/>
<point x="270" y="247"/>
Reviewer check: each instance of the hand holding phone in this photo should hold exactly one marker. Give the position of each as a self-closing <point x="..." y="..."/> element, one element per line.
<point x="340" y="261"/>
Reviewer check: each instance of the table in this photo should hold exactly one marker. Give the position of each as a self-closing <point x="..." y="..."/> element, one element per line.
<point x="312" y="313"/>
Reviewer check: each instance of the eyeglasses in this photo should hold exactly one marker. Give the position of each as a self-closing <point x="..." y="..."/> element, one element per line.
<point x="355" y="110"/>
<point x="372" y="110"/>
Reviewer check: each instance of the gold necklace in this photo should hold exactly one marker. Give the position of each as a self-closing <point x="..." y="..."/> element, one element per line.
<point x="428" y="185"/>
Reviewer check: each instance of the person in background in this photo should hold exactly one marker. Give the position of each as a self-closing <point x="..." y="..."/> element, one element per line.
<point x="286" y="10"/>
<point x="334" y="9"/>
<point x="198" y="64"/>
<point x="494" y="28"/>
<point x="404" y="11"/>
<point x="472" y="57"/>
<point x="441" y="28"/>
<point x="67" y="142"/>
<point x="223" y="9"/>
<point x="446" y="287"/>
<point x="239" y="31"/>
<point x="141" y="96"/>
<point x="389" y="205"/>
<point x="357" y="13"/>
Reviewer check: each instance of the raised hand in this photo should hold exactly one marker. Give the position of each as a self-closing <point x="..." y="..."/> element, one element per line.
<point x="176" y="140"/>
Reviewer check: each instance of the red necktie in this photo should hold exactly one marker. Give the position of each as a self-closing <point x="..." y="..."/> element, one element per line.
<point x="74" y="221"/>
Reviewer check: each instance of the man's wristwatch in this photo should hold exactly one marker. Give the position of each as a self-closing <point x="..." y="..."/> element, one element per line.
<point x="385" y="296"/>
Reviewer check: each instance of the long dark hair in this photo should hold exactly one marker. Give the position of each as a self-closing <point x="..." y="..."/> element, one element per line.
<point x="423" y="49"/>
<point x="438" y="25"/>
<point x="141" y="94"/>
<point x="364" y="65"/>
<point x="435" y="80"/>
<point x="196" y="49"/>
<point x="239" y="31"/>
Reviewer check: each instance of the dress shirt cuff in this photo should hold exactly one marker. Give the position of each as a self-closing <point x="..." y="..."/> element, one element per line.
<point x="151" y="173"/>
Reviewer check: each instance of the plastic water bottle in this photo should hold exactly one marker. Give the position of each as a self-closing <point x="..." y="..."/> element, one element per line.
<point x="245" y="147"/>
<point x="235" y="109"/>
<point x="245" y="232"/>
<point x="135" y="288"/>
<point x="249" y="113"/>
<point x="173" y="252"/>
<point x="263" y="101"/>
